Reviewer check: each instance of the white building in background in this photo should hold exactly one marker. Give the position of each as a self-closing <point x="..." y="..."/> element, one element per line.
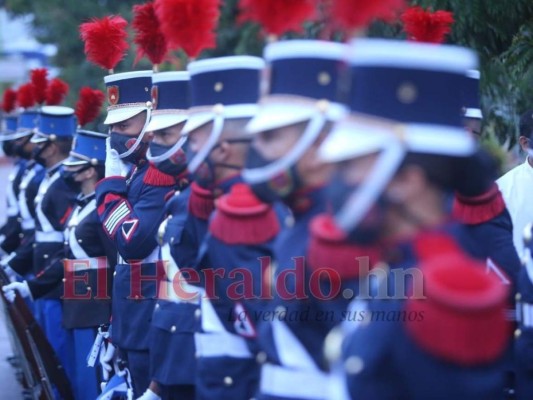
<point x="19" y="50"/>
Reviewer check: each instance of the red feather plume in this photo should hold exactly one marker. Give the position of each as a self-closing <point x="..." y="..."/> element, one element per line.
<point x="26" y="95"/>
<point x="9" y="100"/>
<point x="57" y="90"/>
<point x="105" y="40"/>
<point x="39" y="79"/>
<point x="278" y="16"/>
<point x="425" y="26"/>
<point x="189" y="24"/>
<point x="149" y="39"/>
<point x="356" y="14"/>
<point x="88" y="105"/>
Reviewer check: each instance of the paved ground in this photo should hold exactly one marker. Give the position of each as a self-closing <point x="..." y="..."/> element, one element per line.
<point x="9" y="387"/>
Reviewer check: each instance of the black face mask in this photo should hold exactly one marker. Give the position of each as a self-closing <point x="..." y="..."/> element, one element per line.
<point x="18" y="148"/>
<point x="175" y="165"/>
<point x="122" y="143"/>
<point x="369" y="229"/>
<point x="70" y="178"/>
<point x="204" y="175"/>
<point x="37" y="152"/>
<point x="9" y="148"/>
<point x="277" y="188"/>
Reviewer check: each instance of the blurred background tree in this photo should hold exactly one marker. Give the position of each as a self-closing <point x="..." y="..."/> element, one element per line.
<point x="500" y="30"/>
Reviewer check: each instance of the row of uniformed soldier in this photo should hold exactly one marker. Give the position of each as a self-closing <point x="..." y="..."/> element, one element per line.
<point x="332" y="192"/>
<point x="59" y="225"/>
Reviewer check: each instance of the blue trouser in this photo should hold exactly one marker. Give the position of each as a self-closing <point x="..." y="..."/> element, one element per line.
<point x="49" y="314"/>
<point x="85" y="382"/>
<point x="139" y="367"/>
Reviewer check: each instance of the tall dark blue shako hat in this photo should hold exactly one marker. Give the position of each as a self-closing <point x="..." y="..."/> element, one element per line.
<point x="129" y="94"/>
<point x="221" y="88"/>
<point x="171" y="99"/>
<point x="303" y="80"/>
<point x="88" y="148"/>
<point x="404" y="97"/>
<point x="55" y="123"/>
<point x="303" y="87"/>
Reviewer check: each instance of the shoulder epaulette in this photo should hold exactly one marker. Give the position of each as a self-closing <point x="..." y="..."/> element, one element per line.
<point x="241" y="218"/>
<point x="201" y="202"/>
<point x="328" y="249"/>
<point x="462" y="312"/>
<point x="478" y="209"/>
<point x="155" y="177"/>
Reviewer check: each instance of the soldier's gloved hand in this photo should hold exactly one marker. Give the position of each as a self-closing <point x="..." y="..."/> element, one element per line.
<point x="21" y="287"/>
<point x="149" y="395"/>
<point x="114" y="166"/>
<point x="106" y="360"/>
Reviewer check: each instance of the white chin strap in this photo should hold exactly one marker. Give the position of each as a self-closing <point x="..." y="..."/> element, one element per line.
<point x="169" y="153"/>
<point x="362" y="199"/>
<point x="216" y="131"/>
<point x="140" y="137"/>
<point x="263" y="174"/>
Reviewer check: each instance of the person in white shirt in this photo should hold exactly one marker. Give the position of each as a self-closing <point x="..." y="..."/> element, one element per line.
<point x="517" y="185"/>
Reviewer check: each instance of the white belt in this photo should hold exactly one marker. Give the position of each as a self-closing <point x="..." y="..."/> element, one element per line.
<point x="284" y="382"/>
<point x="527" y="314"/>
<point x="49" y="237"/>
<point x="180" y="292"/>
<point x="85" y="264"/>
<point x="28" y="224"/>
<point x="152" y="258"/>
<point x="221" y="344"/>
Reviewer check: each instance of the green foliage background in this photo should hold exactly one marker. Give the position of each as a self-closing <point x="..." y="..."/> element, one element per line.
<point x="500" y="30"/>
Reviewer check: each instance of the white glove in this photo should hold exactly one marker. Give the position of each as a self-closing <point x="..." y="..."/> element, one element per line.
<point x="114" y="166"/>
<point x="21" y="287"/>
<point x="106" y="360"/>
<point x="149" y="395"/>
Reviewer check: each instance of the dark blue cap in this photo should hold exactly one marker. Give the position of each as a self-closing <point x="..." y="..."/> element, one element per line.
<point x="128" y="94"/>
<point x="170" y="99"/>
<point x="227" y="86"/>
<point x="28" y="120"/>
<point x="171" y="91"/>
<point x="55" y="122"/>
<point x="305" y="68"/>
<point x="303" y="83"/>
<point x="226" y="80"/>
<point x="409" y="82"/>
<point x="88" y="148"/>
<point x="11" y="123"/>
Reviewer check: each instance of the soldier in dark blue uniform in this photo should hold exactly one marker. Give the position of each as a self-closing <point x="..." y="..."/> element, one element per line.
<point x="22" y="257"/>
<point x="86" y="272"/>
<point x="293" y="119"/>
<point x="53" y="205"/>
<point x="479" y="203"/>
<point x="172" y="359"/>
<point x="241" y="231"/>
<point x="10" y="232"/>
<point x="423" y="330"/>
<point x="130" y="204"/>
